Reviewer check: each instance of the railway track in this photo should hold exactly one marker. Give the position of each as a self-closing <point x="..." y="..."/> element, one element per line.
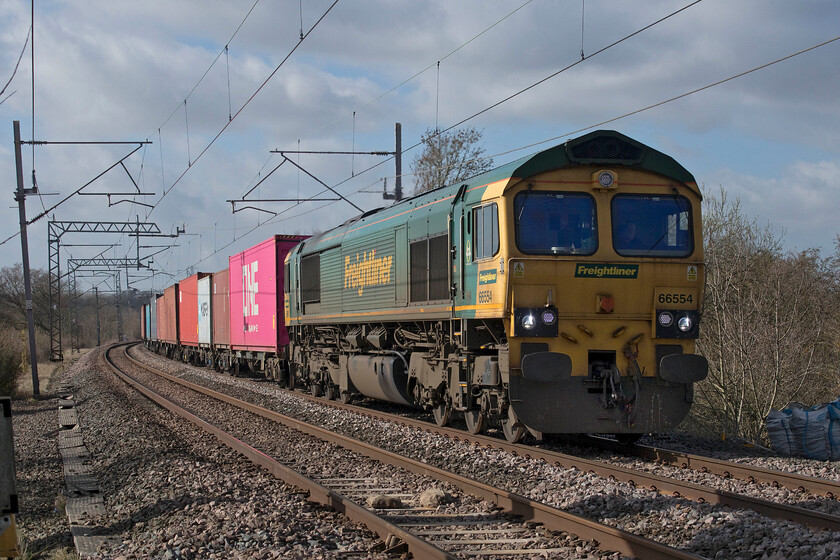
<point x="663" y="484"/>
<point x="729" y="469"/>
<point x="514" y="526"/>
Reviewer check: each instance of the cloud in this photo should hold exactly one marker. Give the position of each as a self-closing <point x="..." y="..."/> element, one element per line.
<point x="117" y="71"/>
<point x="801" y="204"/>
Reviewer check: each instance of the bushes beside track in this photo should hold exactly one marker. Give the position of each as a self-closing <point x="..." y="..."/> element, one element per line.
<point x="770" y="328"/>
<point x="13" y="359"/>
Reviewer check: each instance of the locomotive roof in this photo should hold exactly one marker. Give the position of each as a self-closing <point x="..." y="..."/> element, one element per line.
<point x="601" y="147"/>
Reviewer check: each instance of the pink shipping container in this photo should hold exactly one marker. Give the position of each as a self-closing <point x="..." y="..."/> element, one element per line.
<point x="256" y="295"/>
<point x="188" y="309"/>
<point x="221" y="308"/>
<point x="167" y="315"/>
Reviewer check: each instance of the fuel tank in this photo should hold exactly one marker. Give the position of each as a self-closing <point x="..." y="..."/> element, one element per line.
<point x="379" y="377"/>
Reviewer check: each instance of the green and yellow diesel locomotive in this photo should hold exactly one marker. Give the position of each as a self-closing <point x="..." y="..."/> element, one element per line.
<point x="559" y="293"/>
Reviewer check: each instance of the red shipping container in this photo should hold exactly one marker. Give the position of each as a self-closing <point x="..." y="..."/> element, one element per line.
<point x="188" y="309"/>
<point x="220" y="307"/>
<point x="167" y="315"/>
<point x="142" y="322"/>
<point x="257" y="319"/>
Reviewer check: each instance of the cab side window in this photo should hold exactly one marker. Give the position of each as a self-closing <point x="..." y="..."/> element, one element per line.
<point x="485" y="234"/>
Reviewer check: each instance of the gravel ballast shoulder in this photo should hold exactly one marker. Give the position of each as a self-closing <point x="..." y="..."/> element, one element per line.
<point x="170" y="491"/>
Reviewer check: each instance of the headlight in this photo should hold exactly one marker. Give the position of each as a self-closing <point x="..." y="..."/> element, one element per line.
<point x="685" y="323"/>
<point x="549" y="317"/>
<point x="529" y="322"/>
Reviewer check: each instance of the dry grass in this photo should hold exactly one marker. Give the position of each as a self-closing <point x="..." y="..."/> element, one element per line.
<point x="56" y="554"/>
<point x="47" y="371"/>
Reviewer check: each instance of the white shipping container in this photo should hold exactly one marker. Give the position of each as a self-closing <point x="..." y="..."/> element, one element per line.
<point x="205" y="319"/>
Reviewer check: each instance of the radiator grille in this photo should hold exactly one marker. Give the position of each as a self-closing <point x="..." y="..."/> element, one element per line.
<point x="429" y="269"/>
<point x="310" y="278"/>
<point x="419" y="258"/>
<point x="439" y="268"/>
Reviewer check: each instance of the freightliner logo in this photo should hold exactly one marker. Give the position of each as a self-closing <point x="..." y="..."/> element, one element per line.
<point x="367" y="270"/>
<point x="586" y="270"/>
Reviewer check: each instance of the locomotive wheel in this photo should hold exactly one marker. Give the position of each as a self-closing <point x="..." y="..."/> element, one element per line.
<point x="475" y="421"/>
<point x="443" y="413"/>
<point x="512" y="431"/>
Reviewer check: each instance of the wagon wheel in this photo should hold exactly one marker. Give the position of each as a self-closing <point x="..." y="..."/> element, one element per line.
<point x="315" y="389"/>
<point x="443" y="413"/>
<point x="346" y="397"/>
<point x="271" y="370"/>
<point x="331" y="392"/>
<point x="512" y="428"/>
<point x="475" y="421"/>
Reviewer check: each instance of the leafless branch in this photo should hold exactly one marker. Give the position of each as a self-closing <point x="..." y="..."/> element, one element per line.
<point x="12" y="77"/>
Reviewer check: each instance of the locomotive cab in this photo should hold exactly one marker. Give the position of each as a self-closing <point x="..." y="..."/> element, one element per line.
<point x="605" y="293"/>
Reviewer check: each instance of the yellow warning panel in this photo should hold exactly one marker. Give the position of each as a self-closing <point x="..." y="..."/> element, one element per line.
<point x="8" y="537"/>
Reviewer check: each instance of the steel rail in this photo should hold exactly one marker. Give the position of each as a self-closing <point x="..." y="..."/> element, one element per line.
<point x="316" y="492"/>
<point x="607" y="537"/>
<point x="662" y="484"/>
<point x="751" y="473"/>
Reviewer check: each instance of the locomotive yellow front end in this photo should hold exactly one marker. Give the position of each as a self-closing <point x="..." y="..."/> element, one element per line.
<point x="604" y="289"/>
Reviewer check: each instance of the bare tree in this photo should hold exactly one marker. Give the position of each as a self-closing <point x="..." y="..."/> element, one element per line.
<point x="13" y="299"/>
<point x="769" y="326"/>
<point x="448" y="157"/>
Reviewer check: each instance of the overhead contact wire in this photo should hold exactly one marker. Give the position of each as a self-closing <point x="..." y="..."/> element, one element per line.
<point x="247" y="102"/>
<point x="215" y="60"/>
<point x="427" y="68"/>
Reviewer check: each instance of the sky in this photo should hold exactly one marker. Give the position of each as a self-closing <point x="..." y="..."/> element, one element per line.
<point x="205" y="91"/>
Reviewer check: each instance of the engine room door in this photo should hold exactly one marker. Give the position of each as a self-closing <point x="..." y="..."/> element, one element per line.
<point x="457" y="238"/>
